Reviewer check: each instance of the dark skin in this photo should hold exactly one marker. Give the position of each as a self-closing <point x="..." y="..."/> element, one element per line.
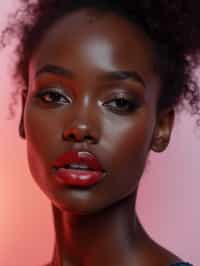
<point x="96" y="226"/>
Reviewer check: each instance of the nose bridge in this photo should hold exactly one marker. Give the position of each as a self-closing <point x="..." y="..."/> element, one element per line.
<point x="83" y="114"/>
<point x="85" y="123"/>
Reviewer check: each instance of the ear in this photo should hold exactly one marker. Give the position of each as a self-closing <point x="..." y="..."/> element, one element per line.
<point x="163" y="130"/>
<point x="21" y="124"/>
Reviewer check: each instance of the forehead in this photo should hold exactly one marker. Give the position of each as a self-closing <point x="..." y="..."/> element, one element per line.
<point x="87" y="33"/>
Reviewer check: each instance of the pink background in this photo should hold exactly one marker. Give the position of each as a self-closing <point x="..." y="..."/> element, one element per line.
<point x="168" y="198"/>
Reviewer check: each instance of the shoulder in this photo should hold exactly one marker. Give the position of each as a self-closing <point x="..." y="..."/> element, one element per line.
<point x="154" y="254"/>
<point x="168" y="258"/>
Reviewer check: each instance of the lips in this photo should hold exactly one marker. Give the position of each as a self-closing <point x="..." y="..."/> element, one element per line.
<point x="88" y="170"/>
<point x="79" y="158"/>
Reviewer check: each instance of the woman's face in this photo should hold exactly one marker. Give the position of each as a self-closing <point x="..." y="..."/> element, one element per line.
<point x="93" y="64"/>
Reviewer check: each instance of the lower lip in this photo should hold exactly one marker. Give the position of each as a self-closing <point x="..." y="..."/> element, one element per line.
<point x="81" y="178"/>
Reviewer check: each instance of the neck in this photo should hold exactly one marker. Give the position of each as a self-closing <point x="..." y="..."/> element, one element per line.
<point x="102" y="238"/>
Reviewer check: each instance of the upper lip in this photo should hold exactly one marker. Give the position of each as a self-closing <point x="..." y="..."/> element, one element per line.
<point x="79" y="157"/>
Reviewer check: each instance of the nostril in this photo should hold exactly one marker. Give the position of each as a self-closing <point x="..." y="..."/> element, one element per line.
<point x="88" y="137"/>
<point x="80" y="135"/>
<point x="68" y="136"/>
<point x="71" y="136"/>
<point x="76" y="137"/>
<point x="91" y="139"/>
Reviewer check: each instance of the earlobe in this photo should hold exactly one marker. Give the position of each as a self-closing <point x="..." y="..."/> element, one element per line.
<point x="21" y="124"/>
<point x="163" y="130"/>
<point x="159" y="144"/>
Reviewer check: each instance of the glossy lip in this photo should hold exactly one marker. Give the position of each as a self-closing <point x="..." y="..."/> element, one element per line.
<point x="78" y="178"/>
<point x="79" y="157"/>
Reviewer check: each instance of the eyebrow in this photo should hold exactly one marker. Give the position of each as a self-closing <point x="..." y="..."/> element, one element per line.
<point x="112" y="75"/>
<point x="124" y="75"/>
<point x="53" y="69"/>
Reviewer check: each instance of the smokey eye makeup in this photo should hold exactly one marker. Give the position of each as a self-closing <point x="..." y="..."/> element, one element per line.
<point x="118" y="103"/>
<point x="54" y="91"/>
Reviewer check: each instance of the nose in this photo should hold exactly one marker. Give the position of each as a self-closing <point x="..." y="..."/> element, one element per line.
<point x="80" y="133"/>
<point x="84" y="128"/>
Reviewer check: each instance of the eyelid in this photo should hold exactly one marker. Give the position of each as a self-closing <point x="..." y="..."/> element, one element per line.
<point x="126" y="93"/>
<point x="132" y="106"/>
<point x="45" y="90"/>
<point x="51" y="82"/>
<point x="53" y="87"/>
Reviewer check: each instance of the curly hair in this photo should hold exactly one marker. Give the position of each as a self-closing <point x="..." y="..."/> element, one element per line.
<point x="174" y="27"/>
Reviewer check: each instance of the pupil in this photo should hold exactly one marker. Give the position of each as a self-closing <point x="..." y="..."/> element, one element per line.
<point x="121" y="102"/>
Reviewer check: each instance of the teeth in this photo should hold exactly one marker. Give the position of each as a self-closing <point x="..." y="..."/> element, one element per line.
<point x="77" y="166"/>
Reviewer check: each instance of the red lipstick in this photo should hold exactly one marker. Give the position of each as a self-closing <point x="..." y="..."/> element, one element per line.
<point x="78" y="168"/>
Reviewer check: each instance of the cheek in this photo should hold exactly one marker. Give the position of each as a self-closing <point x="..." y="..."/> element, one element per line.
<point x="131" y="146"/>
<point x="40" y="138"/>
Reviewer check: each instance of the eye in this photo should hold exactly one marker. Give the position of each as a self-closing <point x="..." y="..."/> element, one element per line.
<point x="122" y="105"/>
<point x="52" y="96"/>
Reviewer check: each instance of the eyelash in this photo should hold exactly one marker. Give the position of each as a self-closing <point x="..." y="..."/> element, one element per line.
<point x="132" y="104"/>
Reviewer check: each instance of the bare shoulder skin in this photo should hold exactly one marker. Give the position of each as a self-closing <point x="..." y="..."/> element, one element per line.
<point x="151" y="253"/>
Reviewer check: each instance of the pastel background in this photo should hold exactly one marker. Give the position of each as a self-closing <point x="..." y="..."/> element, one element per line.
<point x="168" y="201"/>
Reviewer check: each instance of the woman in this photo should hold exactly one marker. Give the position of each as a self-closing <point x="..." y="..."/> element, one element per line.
<point x="102" y="81"/>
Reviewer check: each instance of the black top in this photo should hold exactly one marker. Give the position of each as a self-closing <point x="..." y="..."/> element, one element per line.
<point x="176" y="264"/>
<point x="181" y="264"/>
